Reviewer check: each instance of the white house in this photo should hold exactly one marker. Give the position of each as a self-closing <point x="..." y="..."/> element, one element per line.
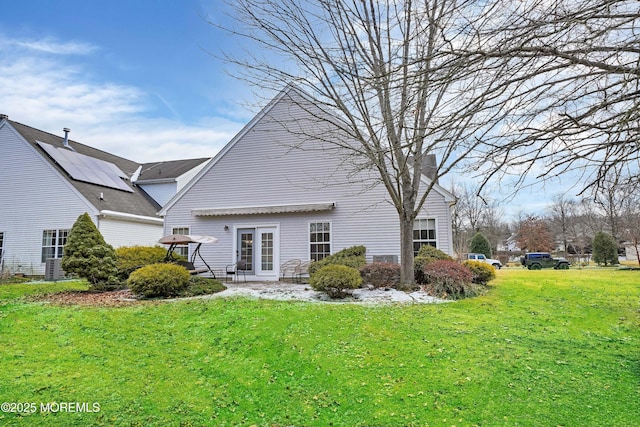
<point x="274" y="193"/>
<point x="48" y="181"/>
<point x="163" y="180"/>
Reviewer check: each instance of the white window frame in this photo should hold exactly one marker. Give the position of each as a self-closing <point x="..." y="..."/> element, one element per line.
<point x="425" y="241"/>
<point x="310" y="242"/>
<point x="182" y="250"/>
<point x="60" y="237"/>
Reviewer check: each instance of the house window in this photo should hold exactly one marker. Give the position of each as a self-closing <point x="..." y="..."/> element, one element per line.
<point x="53" y="242"/>
<point x="424" y="233"/>
<point x="1" y="243"/>
<point x="319" y="240"/>
<point x="182" y="250"/>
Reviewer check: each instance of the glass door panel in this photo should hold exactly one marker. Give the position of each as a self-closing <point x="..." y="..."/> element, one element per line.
<point x="245" y="248"/>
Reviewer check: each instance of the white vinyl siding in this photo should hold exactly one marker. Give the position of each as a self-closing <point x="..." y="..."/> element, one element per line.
<point x="40" y="199"/>
<point x="283" y="175"/>
<point x="120" y="233"/>
<point x="161" y="192"/>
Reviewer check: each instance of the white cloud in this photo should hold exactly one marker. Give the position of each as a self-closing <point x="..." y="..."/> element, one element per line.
<point x="51" y="92"/>
<point x="47" y="45"/>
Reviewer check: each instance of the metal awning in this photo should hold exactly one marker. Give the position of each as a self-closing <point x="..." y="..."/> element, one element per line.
<point x="264" y="210"/>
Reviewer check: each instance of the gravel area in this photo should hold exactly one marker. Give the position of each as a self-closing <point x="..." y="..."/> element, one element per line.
<point x="264" y="290"/>
<point x="303" y="292"/>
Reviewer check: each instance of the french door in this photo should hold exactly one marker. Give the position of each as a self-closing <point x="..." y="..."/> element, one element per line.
<point x="258" y="248"/>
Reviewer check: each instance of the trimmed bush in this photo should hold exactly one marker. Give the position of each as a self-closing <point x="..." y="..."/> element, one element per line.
<point x="87" y="255"/>
<point x="159" y="280"/>
<point x="448" y="279"/>
<point x="130" y="258"/>
<point x="482" y="272"/>
<point x="199" y="285"/>
<point x="336" y="280"/>
<point x="351" y="257"/>
<point x="426" y="255"/>
<point x="381" y="274"/>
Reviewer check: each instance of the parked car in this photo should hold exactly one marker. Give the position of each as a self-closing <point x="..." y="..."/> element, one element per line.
<point x="480" y="257"/>
<point x="538" y="260"/>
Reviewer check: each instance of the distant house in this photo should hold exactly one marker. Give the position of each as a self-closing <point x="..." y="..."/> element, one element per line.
<point x="49" y="180"/>
<point x="631" y="251"/>
<point x="275" y="193"/>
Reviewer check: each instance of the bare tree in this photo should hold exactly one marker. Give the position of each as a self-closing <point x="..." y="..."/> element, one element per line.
<point x="560" y="216"/>
<point x="613" y="197"/>
<point x="391" y="76"/>
<point x="579" y="107"/>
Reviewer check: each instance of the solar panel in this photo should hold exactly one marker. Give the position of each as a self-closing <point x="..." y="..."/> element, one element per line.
<point x="87" y="169"/>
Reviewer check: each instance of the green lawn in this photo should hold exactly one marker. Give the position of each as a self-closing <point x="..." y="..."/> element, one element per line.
<point x="549" y="348"/>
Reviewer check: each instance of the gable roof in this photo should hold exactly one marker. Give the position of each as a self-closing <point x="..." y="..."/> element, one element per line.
<point x="167" y="171"/>
<point x="291" y="91"/>
<point x="135" y="202"/>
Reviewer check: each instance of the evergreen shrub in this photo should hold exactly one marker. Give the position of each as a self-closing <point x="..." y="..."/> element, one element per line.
<point x="480" y="245"/>
<point x="351" y="257"/>
<point x="337" y="281"/>
<point x="482" y="273"/>
<point x="130" y="258"/>
<point x="159" y="280"/>
<point x="605" y="249"/>
<point x="87" y="255"/>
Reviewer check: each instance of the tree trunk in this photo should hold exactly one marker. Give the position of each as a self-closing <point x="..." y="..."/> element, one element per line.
<point x="407" y="279"/>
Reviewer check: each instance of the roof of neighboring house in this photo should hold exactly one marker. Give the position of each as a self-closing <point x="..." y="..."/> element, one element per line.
<point x="169" y="170"/>
<point x="135" y="201"/>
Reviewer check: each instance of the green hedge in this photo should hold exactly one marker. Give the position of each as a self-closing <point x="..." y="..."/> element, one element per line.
<point x="336" y="280"/>
<point x="351" y="257"/>
<point x="130" y="258"/>
<point x="482" y="272"/>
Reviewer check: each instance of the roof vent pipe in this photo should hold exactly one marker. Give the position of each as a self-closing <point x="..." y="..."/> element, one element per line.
<point x="66" y="137"/>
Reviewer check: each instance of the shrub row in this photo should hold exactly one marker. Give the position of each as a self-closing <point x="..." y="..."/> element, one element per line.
<point x="170" y="280"/>
<point x="351" y="257"/>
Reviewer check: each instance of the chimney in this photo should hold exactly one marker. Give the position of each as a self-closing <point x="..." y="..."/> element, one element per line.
<point x="430" y="167"/>
<point x="66" y="137"/>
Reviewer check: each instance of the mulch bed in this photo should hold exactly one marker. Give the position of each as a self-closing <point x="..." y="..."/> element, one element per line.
<point x="123" y="298"/>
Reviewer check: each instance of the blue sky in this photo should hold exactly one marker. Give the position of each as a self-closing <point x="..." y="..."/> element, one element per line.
<point x="135" y="78"/>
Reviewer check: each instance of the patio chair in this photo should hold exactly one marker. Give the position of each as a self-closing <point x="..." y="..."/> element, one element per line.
<point x="234" y="270"/>
<point x="302" y="271"/>
<point x="288" y="268"/>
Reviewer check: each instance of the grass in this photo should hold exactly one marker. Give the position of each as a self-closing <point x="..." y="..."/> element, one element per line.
<point x="541" y="348"/>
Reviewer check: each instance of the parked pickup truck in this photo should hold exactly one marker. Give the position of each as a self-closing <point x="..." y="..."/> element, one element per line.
<point x="538" y="260"/>
<point x="480" y="257"/>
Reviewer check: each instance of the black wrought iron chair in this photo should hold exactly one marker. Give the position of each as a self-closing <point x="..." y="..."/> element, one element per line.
<point x="235" y="270"/>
